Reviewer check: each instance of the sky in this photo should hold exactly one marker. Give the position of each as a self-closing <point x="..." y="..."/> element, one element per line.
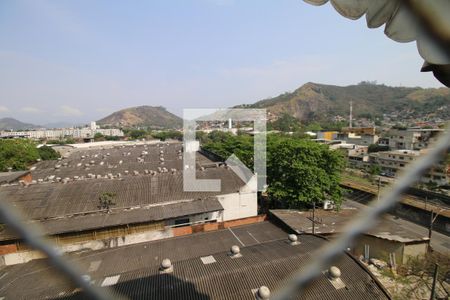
<point x="76" y="61"/>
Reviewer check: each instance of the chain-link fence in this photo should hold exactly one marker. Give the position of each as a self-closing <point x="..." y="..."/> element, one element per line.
<point x="429" y="27"/>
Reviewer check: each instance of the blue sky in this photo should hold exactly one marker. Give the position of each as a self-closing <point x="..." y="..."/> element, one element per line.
<point x="81" y="60"/>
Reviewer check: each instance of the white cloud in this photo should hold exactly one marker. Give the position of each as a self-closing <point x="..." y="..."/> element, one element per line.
<point x="69" y="111"/>
<point x="3" y="109"/>
<point x="31" y="110"/>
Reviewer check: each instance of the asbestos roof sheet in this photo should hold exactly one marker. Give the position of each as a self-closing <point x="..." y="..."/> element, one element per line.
<point x="50" y="200"/>
<point x="122" y="217"/>
<point x="334" y="222"/>
<point x="7" y="177"/>
<point x="267" y="259"/>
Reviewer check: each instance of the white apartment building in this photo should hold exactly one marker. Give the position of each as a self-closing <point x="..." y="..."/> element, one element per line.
<point x="411" y="139"/>
<point x="86" y="132"/>
<point x="393" y="162"/>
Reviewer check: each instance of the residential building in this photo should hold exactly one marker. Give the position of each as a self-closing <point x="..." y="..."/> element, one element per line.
<point x="411" y="139"/>
<point x="54" y="134"/>
<point x="393" y="162"/>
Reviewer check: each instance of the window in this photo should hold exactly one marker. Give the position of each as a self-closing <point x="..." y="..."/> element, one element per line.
<point x="182" y="222"/>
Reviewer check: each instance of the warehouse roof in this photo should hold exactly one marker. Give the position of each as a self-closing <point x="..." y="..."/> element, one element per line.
<point x="114" y="160"/>
<point x="8" y="177"/>
<point x="150" y="213"/>
<point x="332" y="221"/>
<point x="202" y="269"/>
<point x="43" y="201"/>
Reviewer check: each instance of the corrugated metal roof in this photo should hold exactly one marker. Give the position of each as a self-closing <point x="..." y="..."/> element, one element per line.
<point x="331" y="222"/>
<point x="49" y="200"/>
<point x="266" y="262"/>
<point x="122" y="217"/>
<point x="119" y="160"/>
<point x="8" y="177"/>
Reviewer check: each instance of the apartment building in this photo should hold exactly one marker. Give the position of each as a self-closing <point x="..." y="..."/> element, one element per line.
<point x="411" y="139"/>
<point x="394" y="161"/>
<point x="81" y="133"/>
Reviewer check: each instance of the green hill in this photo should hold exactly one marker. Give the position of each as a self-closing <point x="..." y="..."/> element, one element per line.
<point x="320" y="102"/>
<point x="143" y="116"/>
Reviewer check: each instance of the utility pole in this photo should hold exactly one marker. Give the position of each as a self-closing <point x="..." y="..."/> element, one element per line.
<point x="430" y="228"/>
<point x="350" y="121"/>
<point x="433" y="287"/>
<point x="314" y="218"/>
<point x="379" y="185"/>
<point x="433" y="219"/>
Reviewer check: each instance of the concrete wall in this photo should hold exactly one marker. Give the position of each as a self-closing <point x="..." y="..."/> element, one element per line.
<point x="379" y="248"/>
<point x="413" y="250"/>
<point x="26" y="256"/>
<point x="239" y="205"/>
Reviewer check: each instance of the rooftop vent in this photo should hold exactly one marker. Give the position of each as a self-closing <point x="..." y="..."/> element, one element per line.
<point x="235" y="251"/>
<point x="263" y="293"/>
<point x="166" y="266"/>
<point x="334" y="276"/>
<point x="293" y="240"/>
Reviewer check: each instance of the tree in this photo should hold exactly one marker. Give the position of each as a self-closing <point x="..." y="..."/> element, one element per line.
<point x="169" y="134"/>
<point x="301" y="172"/>
<point x="106" y="200"/>
<point x="112" y="138"/>
<point x="137" y="133"/>
<point x="286" y="123"/>
<point x="99" y="137"/>
<point x="17" y="154"/>
<point x="48" y="153"/>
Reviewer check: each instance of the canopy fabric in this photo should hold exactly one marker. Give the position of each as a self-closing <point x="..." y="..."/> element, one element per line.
<point x="403" y="26"/>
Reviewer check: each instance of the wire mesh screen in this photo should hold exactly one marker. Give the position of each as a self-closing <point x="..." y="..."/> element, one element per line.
<point x="323" y="258"/>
